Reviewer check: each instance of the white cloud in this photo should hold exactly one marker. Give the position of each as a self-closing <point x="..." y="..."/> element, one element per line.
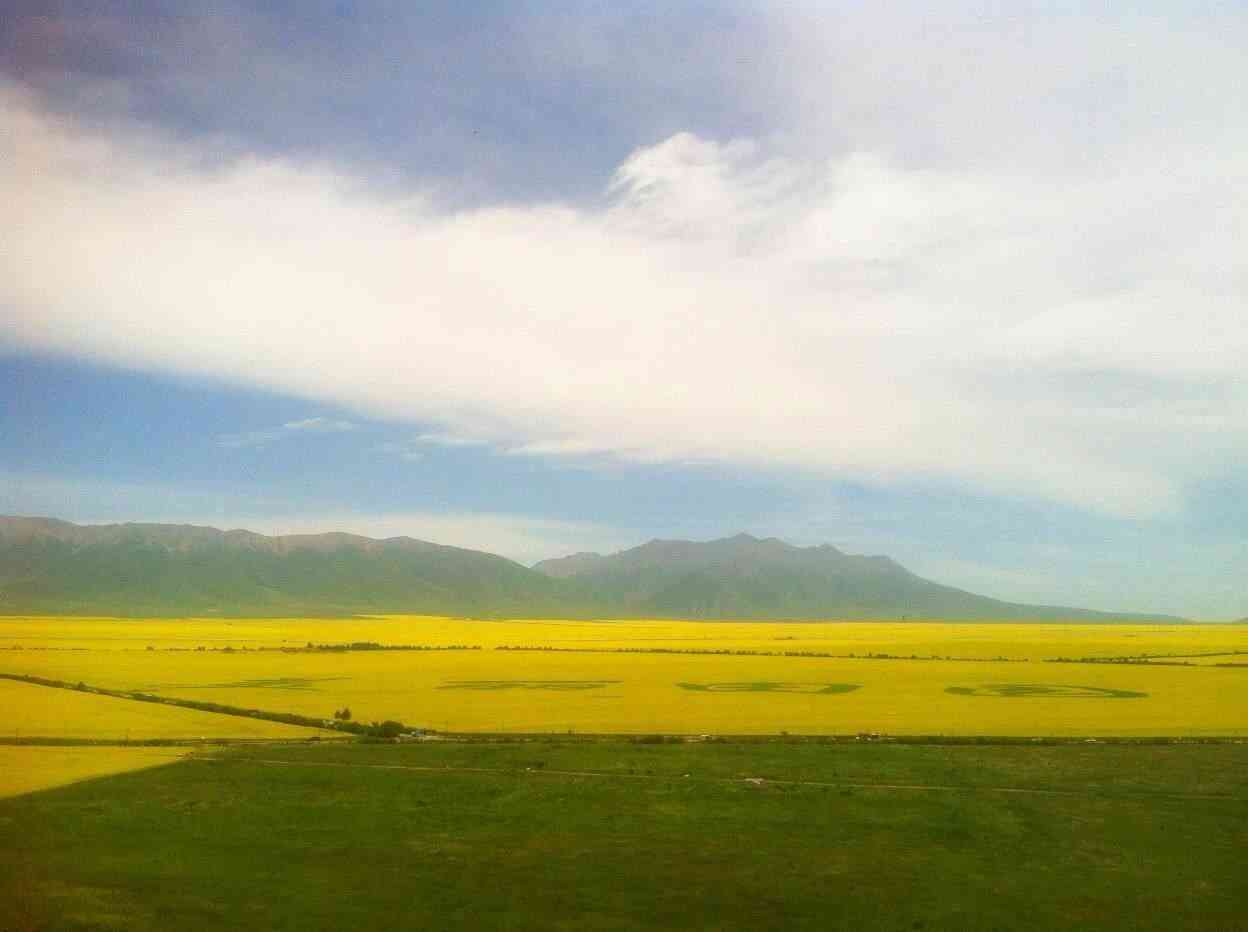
<point x="261" y="438"/>
<point x="319" y="425"/>
<point x="248" y="438"/>
<point x="404" y="451"/>
<point x="843" y="302"/>
<point x="448" y="439"/>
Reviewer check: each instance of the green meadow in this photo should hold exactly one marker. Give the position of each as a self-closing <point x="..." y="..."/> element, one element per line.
<point x="636" y="834"/>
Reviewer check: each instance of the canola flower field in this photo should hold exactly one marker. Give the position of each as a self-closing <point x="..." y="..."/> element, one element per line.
<point x="974" y="640"/>
<point x="27" y="769"/>
<point x="39" y="712"/>
<point x="645" y="676"/>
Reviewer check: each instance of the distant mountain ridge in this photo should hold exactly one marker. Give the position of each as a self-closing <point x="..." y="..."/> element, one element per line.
<point x="48" y="566"/>
<point x="748" y="577"/>
<point x="569" y="566"/>
<point x="51" y="566"/>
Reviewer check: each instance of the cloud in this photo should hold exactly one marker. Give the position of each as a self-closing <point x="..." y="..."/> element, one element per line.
<point x="248" y="438"/>
<point x="856" y="297"/>
<point x="404" y="451"/>
<point x="261" y="438"/>
<point x="475" y="107"/>
<point x="320" y="425"/>
<point x="448" y="439"/>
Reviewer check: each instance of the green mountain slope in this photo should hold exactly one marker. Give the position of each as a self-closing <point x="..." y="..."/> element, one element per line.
<point x="54" y="567"/>
<point x="166" y="569"/>
<point x="745" y="577"/>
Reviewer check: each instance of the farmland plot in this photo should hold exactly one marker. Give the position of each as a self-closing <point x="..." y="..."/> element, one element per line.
<point x="669" y="677"/>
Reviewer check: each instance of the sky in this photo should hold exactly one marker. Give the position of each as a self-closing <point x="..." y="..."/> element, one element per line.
<point x="960" y="283"/>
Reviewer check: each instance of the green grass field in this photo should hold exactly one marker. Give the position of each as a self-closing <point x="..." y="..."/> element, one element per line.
<point x="621" y="836"/>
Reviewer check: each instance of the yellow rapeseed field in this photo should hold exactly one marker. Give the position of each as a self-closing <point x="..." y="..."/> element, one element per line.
<point x="609" y="677"/>
<point x="983" y="641"/>
<point x="27" y="769"/>
<point x="41" y="711"/>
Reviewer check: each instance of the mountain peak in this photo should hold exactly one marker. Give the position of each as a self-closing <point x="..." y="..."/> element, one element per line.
<point x="55" y="567"/>
<point x="569" y="566"/>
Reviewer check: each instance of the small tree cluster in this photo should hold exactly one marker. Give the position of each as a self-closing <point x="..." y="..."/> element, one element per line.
<point x="343" y="714"/>
<point x="387" y="729"/>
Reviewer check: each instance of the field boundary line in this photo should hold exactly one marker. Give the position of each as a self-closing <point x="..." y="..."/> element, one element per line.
<point x="753" y="781"/>
<point x="213" y="708"/>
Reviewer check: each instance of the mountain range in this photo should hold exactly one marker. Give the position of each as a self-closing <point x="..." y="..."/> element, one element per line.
<point x="49" y="566"/>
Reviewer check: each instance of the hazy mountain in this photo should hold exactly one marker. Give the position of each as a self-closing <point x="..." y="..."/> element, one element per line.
<point x="147" y="569"/>
<point x="745" y="577"/>
<point x="55" y="567"/>
<point x="569" y="566"/>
